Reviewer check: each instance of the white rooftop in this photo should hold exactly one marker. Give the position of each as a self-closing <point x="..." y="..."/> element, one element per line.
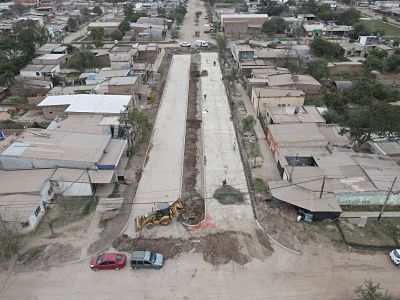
<point x="89" y="103"/>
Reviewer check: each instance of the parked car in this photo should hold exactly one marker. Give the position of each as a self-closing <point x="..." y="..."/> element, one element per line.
<point x="146" y="259"/>
<point x="108" y="261"/>
<point x="395" y="256"/>
<point x="185" y="44"/>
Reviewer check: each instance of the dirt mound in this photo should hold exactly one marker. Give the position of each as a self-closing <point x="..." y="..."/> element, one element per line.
<point x="169" y="247"/>
<point x="44" y="257"/>
<point x="217" y="249"/>
<point x="227" y="194"/>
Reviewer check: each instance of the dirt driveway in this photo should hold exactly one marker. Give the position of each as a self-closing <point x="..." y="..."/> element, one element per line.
<point x="321" y="272"/>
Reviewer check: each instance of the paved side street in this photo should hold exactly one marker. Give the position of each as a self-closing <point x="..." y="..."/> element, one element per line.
<point x="161" y="179"/>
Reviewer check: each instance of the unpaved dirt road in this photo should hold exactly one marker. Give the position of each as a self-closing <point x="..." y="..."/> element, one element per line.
<point x="320" y="273"/>
<point x="189" y="27"/>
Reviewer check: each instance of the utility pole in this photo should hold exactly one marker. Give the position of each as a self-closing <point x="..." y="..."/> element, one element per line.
<point x="291" y="172"/>
<point x="387" y="198"/>
<point x="322" y="187"/>
<point x="91" y="185"/>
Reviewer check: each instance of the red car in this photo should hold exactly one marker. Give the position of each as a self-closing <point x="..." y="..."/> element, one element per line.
<point x="108" y="261"/>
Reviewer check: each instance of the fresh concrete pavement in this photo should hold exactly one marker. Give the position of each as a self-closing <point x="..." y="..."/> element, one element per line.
<point x="161" y="179"/>
<point x="221" y="155"/>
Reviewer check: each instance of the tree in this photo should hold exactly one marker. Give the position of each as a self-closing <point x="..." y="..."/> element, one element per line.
<point x="18" y="9"/>
<point x="124" y="26"/>
<point x="117" y="35"/>
<point x="325" y="13"/>
<point x="318" y="68"/>
<point x="376" y="60"/>
<point x="131" y="15"/>
<point x="272" y="8"/>
<point x="140" y="122"/>
<point x="10" y="239"/>
<point x="392" y="63"/>
<point x="371" y="291"/>
<point x="222" y="43"/>
<point x="232" y="79"/>
<point x="248" y="123"/>
<point x="323" y="48"/>
<point x="97" y="35"/>
<point x="350" y="16"/>
<point x="82" y="60"/>
<point x="275" y="25"/>
<point x="377" y="118"/>
<point x="97" y="10"/>
<point x="6" y="13"/>
<point x="72" y="24"/>
<point x="179" y="13"/>
<point x="358" y="29"/>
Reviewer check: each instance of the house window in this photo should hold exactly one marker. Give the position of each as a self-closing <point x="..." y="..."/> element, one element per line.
<point x="38" y="210"/>
<point x="37" y="74"/>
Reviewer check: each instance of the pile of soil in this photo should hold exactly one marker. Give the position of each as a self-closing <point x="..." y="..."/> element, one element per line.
<point x="217" y="249"/>
<point x="43" y="257"/>
<point x="169" y="247"/>
<point x="227" y="194"/>
<point x="194" y="203"/>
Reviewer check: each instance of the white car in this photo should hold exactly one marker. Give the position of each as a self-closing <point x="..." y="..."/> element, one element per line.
<point x="185" y="44"/>
<point x="395" y="256"/>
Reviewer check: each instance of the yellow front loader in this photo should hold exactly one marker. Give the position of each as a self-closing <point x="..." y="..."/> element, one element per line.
<point x="161" y="214"/>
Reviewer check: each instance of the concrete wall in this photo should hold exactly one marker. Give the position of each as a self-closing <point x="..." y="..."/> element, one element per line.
<point x="74" y="189"/>
<point x="50" y="112"/>
<point x="367" y="198"/>
<point x="21" y="163"/>
<point x="121" y="89"/>
<point x="120" y="65"/>
<point x="355" y="70"/>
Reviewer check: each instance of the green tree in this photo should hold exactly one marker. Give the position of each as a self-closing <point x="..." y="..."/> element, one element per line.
<point x="72" y="24"/>
<point x="323" y="48"/>
<point x="6" y="14"/>
<point x="232" y="79"/>
<point x="222" y="43"/>
<point x="117" y="35"/>
<point x="131" y="15"/>
<point x="248" y="123"/>
<point x="19" y="9"/>
<point x="272" y="8"/>
<point x="82" y="60"/>
<point x="318" y="68"/>
<point x="97" y="10"/>
<point x="140" y="122"/>
<point x="179" y="13"/>
<point x="358" y="29"/>
<point x="371" y="291"/>
<point x="275" y="25"/>
<point x="325" y="13"/>
<point x="350" y="16"/>
<point x="392" y="63"/>
<point x="124" y="26"/>
<point x="97" y="35"/>
<point x="377" y="118"/>
<point x="376" y="60"/>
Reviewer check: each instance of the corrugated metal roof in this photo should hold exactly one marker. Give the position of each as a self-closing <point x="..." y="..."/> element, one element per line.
<point x="89" y="103"/>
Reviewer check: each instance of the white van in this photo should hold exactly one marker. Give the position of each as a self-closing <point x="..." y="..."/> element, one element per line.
<point x="201" y="43"/>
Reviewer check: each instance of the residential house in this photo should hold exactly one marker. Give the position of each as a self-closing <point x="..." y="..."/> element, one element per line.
<point x="291" y="114"/>
<point x="53" y="106"/>
<point x="40" y="70"/>
<point x="53" y="48"/>
<point x="51" y="59"/>
<point x="236" y="24"/>
<point x="125" y="86"/>
<point x="270" y="97"/>
<point x="24" y="195"/>
<point x="121" y="56"/>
